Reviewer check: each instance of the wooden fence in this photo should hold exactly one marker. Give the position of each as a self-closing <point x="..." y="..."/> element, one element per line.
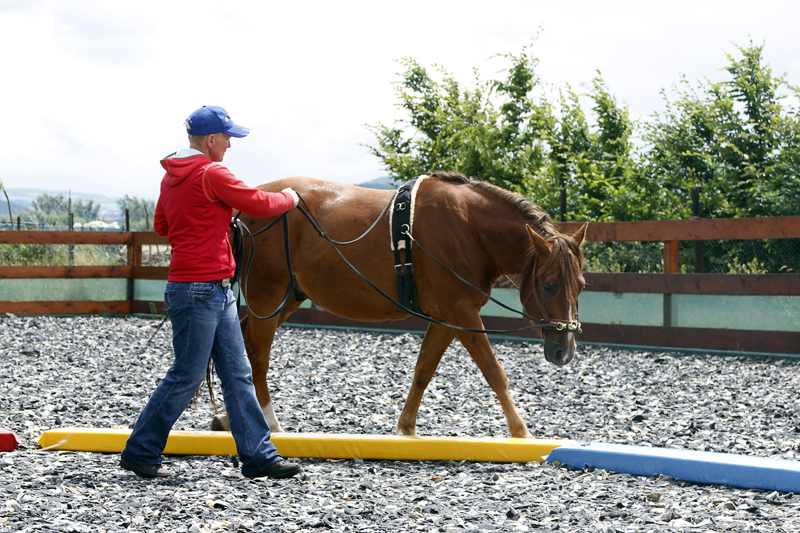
<point x="133" y="270"/>
<point x="671" y="232"/>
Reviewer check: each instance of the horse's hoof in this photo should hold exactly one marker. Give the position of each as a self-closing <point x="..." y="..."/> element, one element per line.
<point x="219" y="423"/>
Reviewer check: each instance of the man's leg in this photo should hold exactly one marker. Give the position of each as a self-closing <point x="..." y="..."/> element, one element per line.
<point x="194" y="310"/>
<point x="249" y="429"/>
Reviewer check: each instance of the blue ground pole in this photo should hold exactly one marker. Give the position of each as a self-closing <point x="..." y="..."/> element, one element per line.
<point x="743" y="471"/>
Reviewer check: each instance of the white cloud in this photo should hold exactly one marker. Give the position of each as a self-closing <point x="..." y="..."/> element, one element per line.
<point x="111" y="34"/>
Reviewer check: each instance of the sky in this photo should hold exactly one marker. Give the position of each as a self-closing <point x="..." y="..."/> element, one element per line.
<point x="95" y="93"/>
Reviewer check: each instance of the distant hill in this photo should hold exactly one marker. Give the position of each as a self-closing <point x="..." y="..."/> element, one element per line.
<point x="22" y="198"/>
<point x="16" y="207"/>
<point x="109" y="211"/>
<point x="378" y="183"/>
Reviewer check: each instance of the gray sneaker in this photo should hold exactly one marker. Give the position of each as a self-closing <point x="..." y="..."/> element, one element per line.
<point x="148" y="471"/>
<point x="279" y="470"/>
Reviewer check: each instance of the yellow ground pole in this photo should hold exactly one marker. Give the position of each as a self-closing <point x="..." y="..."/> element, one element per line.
<point x="319" y="445"/>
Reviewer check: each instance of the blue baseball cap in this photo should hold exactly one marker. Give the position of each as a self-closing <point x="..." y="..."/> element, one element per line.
<point x="213" y="119"/>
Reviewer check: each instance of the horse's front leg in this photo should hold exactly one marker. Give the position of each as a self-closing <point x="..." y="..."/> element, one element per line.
<point x="477" y="344"/>
<point x="435" y="342"/>
<point x="258" y="337"/>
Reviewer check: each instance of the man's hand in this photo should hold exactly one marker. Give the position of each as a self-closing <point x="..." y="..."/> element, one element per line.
<point x="293" y="194"/>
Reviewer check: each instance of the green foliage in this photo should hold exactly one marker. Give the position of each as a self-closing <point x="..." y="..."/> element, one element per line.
<point x="140" y="211"/>
<point x="733" y="139"/>
<point x="751" y="267"/>
<point x="8" y="202"/>
<point x="624" y="256"/>
<point x="736" y="140"/>
<point x="23" y="254"/>
<point x="596" y="164"/>
<point x="54" y="209"/>
<point x="503" y="132"/>
<point x="61" y="254"/>
<point x="459" y="128"/>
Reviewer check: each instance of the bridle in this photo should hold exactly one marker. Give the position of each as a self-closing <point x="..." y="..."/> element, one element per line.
<point x="545" y="323"/>
<point x="558" y="324"/>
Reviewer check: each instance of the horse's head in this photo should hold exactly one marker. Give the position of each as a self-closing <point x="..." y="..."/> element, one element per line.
<point x="550" y="284"/>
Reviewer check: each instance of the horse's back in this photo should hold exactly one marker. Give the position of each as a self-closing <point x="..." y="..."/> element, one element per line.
<point x="344" y="213"/>
<point x="327" y="195"/>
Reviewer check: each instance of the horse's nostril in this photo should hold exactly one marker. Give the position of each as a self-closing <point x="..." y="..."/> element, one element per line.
<point x="558" y="354"/>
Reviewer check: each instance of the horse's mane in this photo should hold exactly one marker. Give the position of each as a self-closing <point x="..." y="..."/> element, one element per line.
<point x="565" y="251"/>
<point x="536" y="214"/>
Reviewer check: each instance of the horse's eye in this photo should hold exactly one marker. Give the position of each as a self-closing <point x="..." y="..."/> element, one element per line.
<point x="548" y="287"/>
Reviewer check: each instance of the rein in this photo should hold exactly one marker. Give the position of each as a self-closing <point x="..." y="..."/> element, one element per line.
<point x="239" y="228"/>
<point x="555" y="323"/>
<point x="237" y="225"/>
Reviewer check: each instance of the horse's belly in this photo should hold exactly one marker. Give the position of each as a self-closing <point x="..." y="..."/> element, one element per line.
<point x="344" y="294"/>
<point x="356" y="305"/>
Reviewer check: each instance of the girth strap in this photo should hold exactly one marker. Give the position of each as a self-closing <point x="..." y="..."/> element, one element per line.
<point x="401" y="220"/>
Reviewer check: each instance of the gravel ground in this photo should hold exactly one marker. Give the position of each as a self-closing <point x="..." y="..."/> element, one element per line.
<point x="94" y="371"/>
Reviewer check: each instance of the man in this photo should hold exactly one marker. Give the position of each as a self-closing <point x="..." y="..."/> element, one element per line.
<point x="197" y="199"/>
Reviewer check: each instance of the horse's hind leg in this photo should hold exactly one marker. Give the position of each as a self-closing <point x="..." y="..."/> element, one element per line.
<point x="477" y="344"/>
<point x="435" y="342"/>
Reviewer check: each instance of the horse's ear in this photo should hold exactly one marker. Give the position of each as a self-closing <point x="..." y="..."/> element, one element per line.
<point x="580" y="235"/>
<point x="543" y="248"/>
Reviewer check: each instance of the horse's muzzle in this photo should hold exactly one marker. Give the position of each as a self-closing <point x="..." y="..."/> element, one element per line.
<point x="557" y="353"/>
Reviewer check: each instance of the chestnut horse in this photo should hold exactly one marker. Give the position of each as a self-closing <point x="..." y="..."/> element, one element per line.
<point x="480" y="231"/>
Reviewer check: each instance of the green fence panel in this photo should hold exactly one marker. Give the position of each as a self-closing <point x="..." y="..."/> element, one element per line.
<point x="761" y="313"/>
<point x="149" y="290"/>
<point x="765" y="313"/>
<point x="47" y="290"/>
<point x="633" y="309"/>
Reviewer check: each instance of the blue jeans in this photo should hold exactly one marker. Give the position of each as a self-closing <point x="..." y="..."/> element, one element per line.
<point x="205" y="323"/>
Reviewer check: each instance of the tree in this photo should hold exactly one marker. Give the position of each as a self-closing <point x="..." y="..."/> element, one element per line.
<point x="140" y="212"/>
<point x="8" y="203"/>
<point x="595" y="163"/>
<point x="733" y="139"/>
<point x="504" y="132"/>
<point x="451" y="127"/>
<point x="54" y="209"/>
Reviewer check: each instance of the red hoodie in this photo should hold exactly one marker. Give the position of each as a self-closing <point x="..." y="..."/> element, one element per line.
<point x="194" y="209"/>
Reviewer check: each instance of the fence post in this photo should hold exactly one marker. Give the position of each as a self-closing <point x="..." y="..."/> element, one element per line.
<point x="71" y="223"/>
<point x="667" y="310"/>
<point x="671" y="266"/>
<point x="698" y="245"/>
<point x="127" y="220"/>
<point x="18" y="224"/>
<point x="134" y="260"/>
<point x="671" y="263"/>
<point x="563" y="205"/>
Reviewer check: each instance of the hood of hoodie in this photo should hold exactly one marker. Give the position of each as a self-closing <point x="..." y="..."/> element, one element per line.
<point x="182" y="163"/>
